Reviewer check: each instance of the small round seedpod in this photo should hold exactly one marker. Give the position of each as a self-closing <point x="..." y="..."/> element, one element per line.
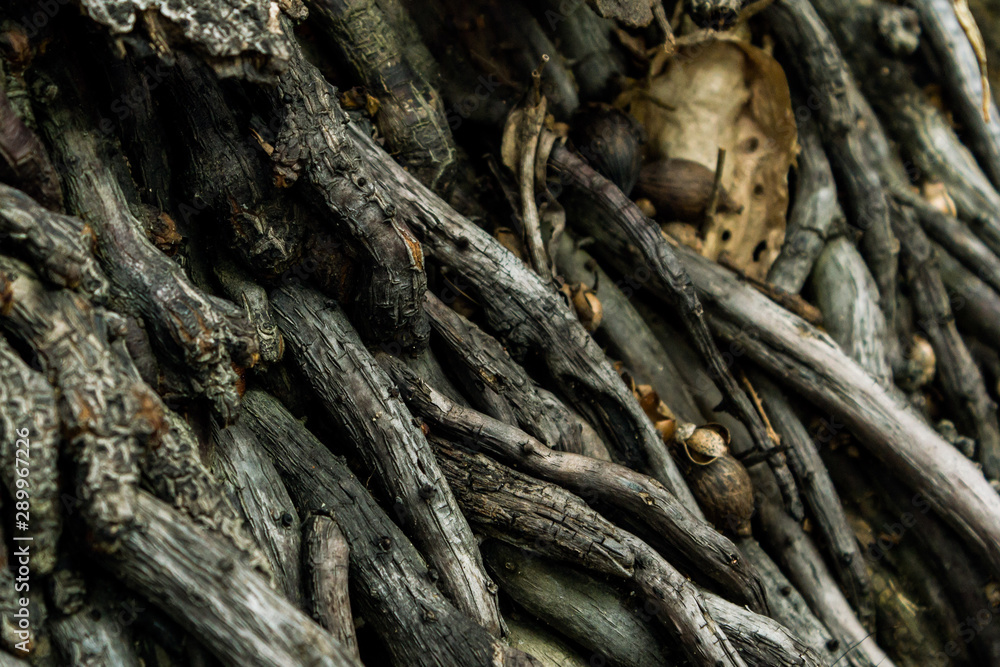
<point x="681" y="189"/>
<point x="611" y="141"/>
<point x="667" y="429"/>
<point x="706" y="444"/>
<point x="919" y="366"/>
<point x="725" y="493"/>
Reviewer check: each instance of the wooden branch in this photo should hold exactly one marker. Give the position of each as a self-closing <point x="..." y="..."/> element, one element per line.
<point x="98" y="633"/>
<point x="548" y="519"/>
<point x="811" y="363"/>
<point x="821" y="69"/>
<point x="325" y="560"/>
<point x="627" y="237"/>
<point x="392" y="586"/>
<point x="814" y="216"/>
<point x="847" y="295"/>
<point x="822" y="500"/>
<point x="677" y="532"/>
<point x="240" y="618"/>
<point x="363" y="402"/>
<point x="255" y="487"/>
<point x="527" y="314"/>
<point x="314" y="143"/>
<point x="204" y="333"/>
<point x="962" y="383"/>
<point x="23" y="160"/>
<point x="485" y="360"/>
<point x="60" y="246"/>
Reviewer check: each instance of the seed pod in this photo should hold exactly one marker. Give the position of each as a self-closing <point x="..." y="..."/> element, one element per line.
<point x="919" y="366"/>
<point x="681" y="189"/>
<point x="706" y="444"/>
<point x="725" y="493"/>
<point x="611" y="141"/>
<point x="509" y="239"/>
<point x="586" y="304"/>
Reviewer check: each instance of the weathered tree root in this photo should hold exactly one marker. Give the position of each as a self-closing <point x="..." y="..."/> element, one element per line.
<point x="529" y="315"/>
<point x="393" y="587"/>
<point x="627" y="236"/>
<point x="523" y="511"/>
<point x="325" y="562"/>
<point x="365" y="406"/>
<point x="677" y="531"/>
<point x="205" y="333"/>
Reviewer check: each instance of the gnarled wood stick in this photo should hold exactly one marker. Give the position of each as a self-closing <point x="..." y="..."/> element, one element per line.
<point x="527" y="314"/>
<point x="394" y="590"/>
<point x="362" y="400"/>
<point x="325" y="561"/>
<point x="627" y="236"/>
<point x="677" y="531"/>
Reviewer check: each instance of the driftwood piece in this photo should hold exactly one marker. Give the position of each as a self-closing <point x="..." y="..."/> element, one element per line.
<point x="364" y="404"/>
<point x="240" y="618"/>
<point x="314" y="144"/>
<point x="393" y="587"/>
<point x="625" y="332"/>
<point x="529" y="315"/>
<point x="847" y="295"/>
<point x="975" y="304"/>
<point x="811" y="363"/>
<point x="677" y="532"/>
<point x="821" y="498"/>
<point x="819" y="64"/>
<point x="961" y="79"/>
<point x="590" y="441"/>
<point x="256" y="489"/>
<point x="962" y="383"/>
<point x="814" y="215"/>
<point x="242" y="290"/>
<point x="205" y="333"/>
<point x="805" y="567"/>
<point x="534" y="638"/>
<point x="485" y="359"/>
<point x="30" y="428"/>
<point x="548" y="519"/>
<point x="23" y="160"/>
<point x="60" y="246"/>
<point x="788" y="607"/>
<point x="325" y="561"/>
<point x="586" y="611"/>
<point x="410" y="116"/>
<point x="250" y="47"/>
<point x="99" y="633"/>
<point x="628" y="237"/>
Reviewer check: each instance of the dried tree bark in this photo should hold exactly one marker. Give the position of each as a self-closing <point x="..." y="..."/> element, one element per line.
<point x="325" y="560"/>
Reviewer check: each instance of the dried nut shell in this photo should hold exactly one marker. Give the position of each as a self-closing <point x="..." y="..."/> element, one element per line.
<point x="920" y="365"/>
<point x="724" y="492"/>
<point x="611" y="140"/>
<point x="588" y="308"/>
<point x="667" y="429"/>
<point x="707" y="444"/>
<point x="646" y="207"/>
<point x="509" y="239"/>
<point x="681" y="189"/>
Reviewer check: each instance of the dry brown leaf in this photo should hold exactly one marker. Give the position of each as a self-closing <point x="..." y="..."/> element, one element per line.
<point x="727" y="94"/>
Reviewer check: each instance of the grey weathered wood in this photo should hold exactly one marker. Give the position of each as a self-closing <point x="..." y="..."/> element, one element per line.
<point x="626" y="237"/>
<point x="591" y="614"/>
<point x="676" y="531"/>
<point x="814" y="215"/>
<point x="325" y="561"/>
<point x="848" y="296"/>
<point x="257" y="491"/>
<point x="527" y="315"/>
<point x="393" y="587"/>
<point x="99" y="634"/>
<point x="547" y="519"/>
<point x="821" y="498"/>
<point x="813" y="364"/>
<point x="975" y="304"/>
<point x="239" y="617"/>
<point x="624" y="330"/>
<point x="532" y="636"/>
<point x="314" y="145"/>
<point x="364" y="404"/>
